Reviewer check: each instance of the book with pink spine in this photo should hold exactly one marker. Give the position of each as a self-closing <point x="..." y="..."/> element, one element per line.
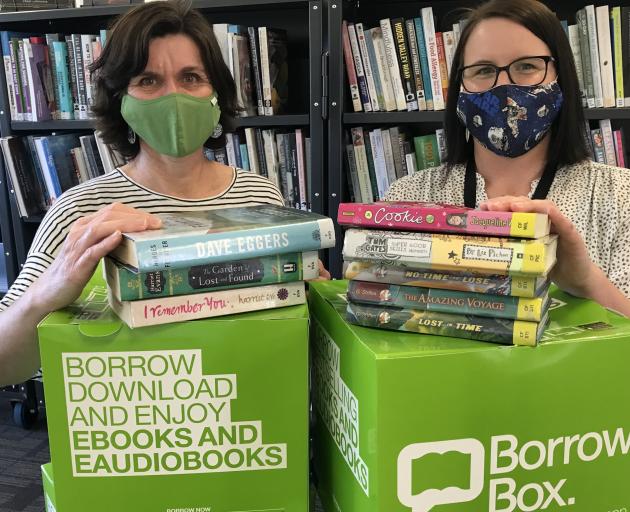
<point x="442" y="218"/>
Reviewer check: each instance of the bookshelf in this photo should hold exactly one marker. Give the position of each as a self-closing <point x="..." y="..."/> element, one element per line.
<point x="341" y="116"/>
<point x="302" y="20"/>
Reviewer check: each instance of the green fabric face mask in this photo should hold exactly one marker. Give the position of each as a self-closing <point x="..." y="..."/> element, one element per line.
<point x="175" y="124"/>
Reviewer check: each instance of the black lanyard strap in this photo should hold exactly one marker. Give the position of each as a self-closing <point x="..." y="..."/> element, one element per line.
<point x="470" y="182"/>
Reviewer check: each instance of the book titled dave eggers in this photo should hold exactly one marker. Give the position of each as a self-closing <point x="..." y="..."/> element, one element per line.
<point x="441" y="251"/>
<point x="435" y="217"/>
<point x="211" y="236"/>
<point x="165" y="310"/>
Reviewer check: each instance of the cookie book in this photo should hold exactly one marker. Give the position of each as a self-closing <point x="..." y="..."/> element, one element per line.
<point x="280" y="268"/>
<point x="448" y="301"/>
<point x="494" y="330"/>
<point x="442" y="218"/>
<point x="394" y="273"/>
<point x="453" y="252"/>
<point x="166" y="310"/>
<point x="196" y="238"/>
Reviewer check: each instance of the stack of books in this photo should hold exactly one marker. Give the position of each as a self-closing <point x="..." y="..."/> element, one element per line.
<point x="453" y="271"/>
<point x="216" y="262"/>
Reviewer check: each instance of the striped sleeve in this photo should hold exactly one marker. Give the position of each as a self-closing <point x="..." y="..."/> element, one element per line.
<point x="247" y="189"/>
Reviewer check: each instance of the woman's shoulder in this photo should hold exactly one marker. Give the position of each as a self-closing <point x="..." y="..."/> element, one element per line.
<point x="435" y="184"/>
<point x="257" y="187"/>
<point x="598" y="180"/>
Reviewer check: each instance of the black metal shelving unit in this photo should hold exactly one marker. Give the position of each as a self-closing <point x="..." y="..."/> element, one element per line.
<point x="341" y="116"/>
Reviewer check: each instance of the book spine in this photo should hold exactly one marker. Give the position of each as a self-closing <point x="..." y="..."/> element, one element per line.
<point x="452" y="252"/>
<point x="395" y="141"/>
<point x="440" y="136"/>
<point x="389" y="96"/>
<point x="350" y="71"/>
<point x="252" y="153"/>
<point x="283" y="167"/>
<point x="371" y="52"/>
<point x="404" y="60"/>
<point x="271" y="154"/>
<point x="51" y="73"/>
<point x="615" y="15"/>
<point x="625" y="51"/>
<point x="389" y="155"/>
<point x="574" y="41"/>
<point x="244" y="157"/>
<point x="48" y="166"/>
<point x="17" y="82"/>
<point x="587" y="62"/>
<point x="73" y="77"/>
<point x="433" y="57"/>
<point x="380" y="167"/>
<point x="8" y="73"/>
<point x="609" y="144"/>
<point x="605" y="55"/>
<point x="442" y="220"/>
<point x="80" y="75"/>
<point x="88" y="58"/>
<point x="358" y="67"/>
<point x="392" y="273"/>
<point x="190" y="250"/>
<point x="415" y="64"/>
<point x="599" y="153"/>
<point x="449" y="51"/>
<point x="367" y="67"/>
<point x="253" y="48"/>
<point x="392" y="63"/>
<point x="446" y="301"/>
<point x="412" y="163"/>
<point x="353" y="174"/>
<point x="260" y="150"/>
<point x="264" y="69"/>
<point x="302" y="178"/>
<point x="442" y="61"/>
<point x="282" y="268"/>
<point x="619" y="149"/>
<point x="593" y="39"/>
<point x="371" y="168"/>
<point x="208" y="305"/>
<point x="36" y="54"/>
<point x="26" y="89"/>
<point x="362" y="164"/>
<point x="295" y="179"/>
<point x="402" y="151"/>
<point x="419" y="148"/>
<point x="424" y="62"/>
<point x="495" y="330"/>
<point x="229" y="148"/>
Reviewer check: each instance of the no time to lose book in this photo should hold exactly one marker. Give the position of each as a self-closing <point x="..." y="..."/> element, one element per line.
<point x="453" y="252"/>
<point x="211" y="236"/>
<point x="418" y="216"/>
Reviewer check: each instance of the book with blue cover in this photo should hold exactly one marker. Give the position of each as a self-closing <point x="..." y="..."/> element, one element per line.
<point x="211" y="236"/>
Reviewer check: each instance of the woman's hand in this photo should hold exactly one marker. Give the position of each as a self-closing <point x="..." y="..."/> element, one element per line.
<point x="324" y="275"/>
<point x="89" y="239"/>
<point x="574" y="271"/>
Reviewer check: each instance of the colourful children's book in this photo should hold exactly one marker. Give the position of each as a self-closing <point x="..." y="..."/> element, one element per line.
<point x="392" y="273"/>
<point x="453" y="252"/>
<point x="165" y="310"/>
<point x="279" y="268"/>
<point x="495" y="330"/>
<point x="417" y="216"/>
<point x="447" y="301"/>
<point x="211" y="236"/>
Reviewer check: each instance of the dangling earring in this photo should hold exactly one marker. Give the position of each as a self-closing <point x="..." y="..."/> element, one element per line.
<point x="218" y="131"/>
<point x="131" y="136"/>
<point x="467" y="135"/>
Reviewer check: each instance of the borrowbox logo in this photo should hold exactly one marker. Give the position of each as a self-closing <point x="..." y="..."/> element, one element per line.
<point x="506" y="457"/>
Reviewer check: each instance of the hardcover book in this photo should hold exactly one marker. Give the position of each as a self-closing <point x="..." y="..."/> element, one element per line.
<point x="417" y="216"/>
<point x="447" y="301"/>
<point x="453" y="252"/>
<point x="166" y="310"/>
<point x="494" y="330"/>
<point x="211" y="236"/>
<point x="281" y="268"/>
<point x="394" y="273"/>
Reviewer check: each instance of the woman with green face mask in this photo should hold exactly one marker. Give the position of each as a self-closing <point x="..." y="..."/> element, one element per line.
<point x="163" y="92"/>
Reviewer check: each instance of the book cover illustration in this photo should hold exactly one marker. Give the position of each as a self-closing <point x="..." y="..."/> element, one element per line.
<point x="393" y="273"/>
<point x="447" y="301"/>
<point x="278" y="52"/>
<point x="164" y="310"/>
<point x="453" y="252"/>
<point x="435" y="217"/>
<point x="283" y="268"/>
<point x="211" y="236"/>
<point x="495" y="330"/>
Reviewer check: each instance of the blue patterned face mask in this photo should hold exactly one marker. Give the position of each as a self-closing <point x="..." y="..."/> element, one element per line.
<point x="510" y="119"/>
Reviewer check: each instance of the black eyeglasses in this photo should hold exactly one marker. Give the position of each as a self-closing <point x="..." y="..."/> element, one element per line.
<point x="523" y="71"/>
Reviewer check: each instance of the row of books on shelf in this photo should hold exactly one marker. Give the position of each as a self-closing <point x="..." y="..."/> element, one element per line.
<point x="41" y="168"/>
<point x="405" y="64"/>
<point x="33" y="5"/>
<point x="440" y="269"/>
<point x="257" y="58"/>
<point x="607" y="145"/>
<point x="378" y="157"/>
<point x="282" y="157"/>
<point x="48" y="75"/>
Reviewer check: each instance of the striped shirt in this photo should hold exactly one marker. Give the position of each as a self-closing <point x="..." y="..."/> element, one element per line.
<point x="246" y="189"/>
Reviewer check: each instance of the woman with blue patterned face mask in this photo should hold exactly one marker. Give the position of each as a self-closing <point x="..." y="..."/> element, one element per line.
<point x="517" y="141"/>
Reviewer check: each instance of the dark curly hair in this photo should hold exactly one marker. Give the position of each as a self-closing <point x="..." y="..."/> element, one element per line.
<point x="126" y="54"/>
<point x="567" y="144"/>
